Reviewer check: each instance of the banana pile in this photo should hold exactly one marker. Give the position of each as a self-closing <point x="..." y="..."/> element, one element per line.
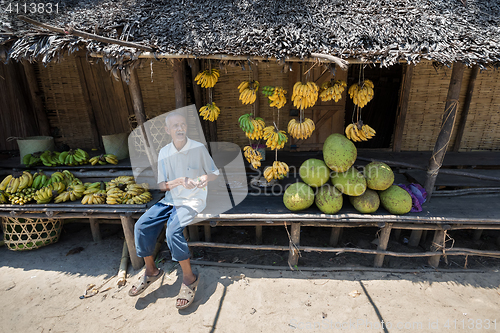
<point x="275" y="139"/>
<point x="50" y="158"/>
<point x="74" y="157"/>
<point x="94" y="194"/>
<point x="104" y="159"/>
<point x="358" y="132"/>
<point x="276" y="96"/>
<point x="210" y="112"/>
<point x="207" y="78"/>
<point x="73" y="192"/>
<point x="301" y="130"/>
<point x="304" y="95"/>
<point x="278" y="170"/>
<point x="30" y="160"/>
<point x="253" y="127"/>
<point x="124" y="190"/>
<point x="248" y="91"/>
<point x="253" y="156"/>
<point x="21" y="197"/>
<point x="11" y="184"/>
<point x="45" y="194"/>
<point x="362" y="93"/>
<point x="332" y="90"/>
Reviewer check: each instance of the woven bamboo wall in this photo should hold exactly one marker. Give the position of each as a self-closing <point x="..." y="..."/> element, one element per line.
<point x="226" y="97"/>
<point x="426" y="107"/>
<point x="64" y="103"/>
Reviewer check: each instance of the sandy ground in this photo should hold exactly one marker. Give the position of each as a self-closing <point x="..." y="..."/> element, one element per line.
<point x="40" y="292"/>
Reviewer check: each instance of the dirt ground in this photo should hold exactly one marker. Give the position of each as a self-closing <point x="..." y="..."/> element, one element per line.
<point x="40" y="289"/>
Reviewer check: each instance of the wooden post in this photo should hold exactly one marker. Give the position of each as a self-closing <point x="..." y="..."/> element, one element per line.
<point x="36" y="98"/>
<point x="128" y="231"/>
<point x="258" y="234"/>
<point x="335" y="235"/>
<point x="443" y="140"/>
<point x="208" y="233"/>
<point x="465" y="110"/>
<point x="383" y="240"/>
<point x="477" y="235"/>
<point x="404" y="96"/>
<point x="437" y="245"/>
<point x="397" y="234"/>
<point x="140" y="115"/>
<point x="293" y="254"/>
<point x="96" y="137"/>
<point x="415" y="238"/>
<point x="255" y="72"/>
<point x="94" y="228"/>
<point x="194" y="235"/>
<point x="179" y="75"/>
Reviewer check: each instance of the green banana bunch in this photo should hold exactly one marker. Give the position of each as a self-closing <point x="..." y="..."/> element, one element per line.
<point x="4" y="198"/>
<point x="246" y="123"/>
<point x="268" y="91"/>
<point x="50" y="158"/>
<point x="30" y="160"/>
<point x="39" y="180"/>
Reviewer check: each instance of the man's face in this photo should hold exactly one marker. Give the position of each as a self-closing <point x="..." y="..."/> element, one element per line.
<point x="176" y="128"/>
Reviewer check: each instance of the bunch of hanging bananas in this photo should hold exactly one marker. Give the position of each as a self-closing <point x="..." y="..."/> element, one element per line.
<point x="304" y="95"/>
<point x="301" y="130"/>
<point x="12" y="184"/>
<point x="275" y="95"/>
<point x="253" y="156"/>
<point x="74" y="157"/>
<point x="248" y="91"/>
<point x="362" y="93"/>
<point x="332" y="90"/>
<point x="45" y="194"/>
<point x="30" y="160"/>
<point x="275" y="139"/>
<point x="278" y="170"/>
<point x="104" y="159"/>
<point x="253" y="127"/>
<point x="207" y="78"/>
<point x="358" y="132"/>
<point x="210" y="112"/>
<point x="73" y="192"/>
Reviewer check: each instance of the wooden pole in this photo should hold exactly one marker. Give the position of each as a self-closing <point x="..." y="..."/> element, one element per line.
<point x="122" y="271"/>
<point x="128" y="231"/>
<point x="140" y="115"/>
<point x="294" y="242"/>
<point x="477" y="235"/>
<point x="208" y="233"/>
<point x="385" y="234"/>
<point x="179" y="75"/>
<point x="94" y="228"/>
<point x="443" y="140"/>
<point x="258" y="234"/>
<point x="36" y="98"/>
<point x="255" y="73"/>
<point x="335" y="235"/>
<point x="437" y="246"/>
<point x="465" y="110"/>
<point x="198" y="94"/>
<point x="403" y="107"/>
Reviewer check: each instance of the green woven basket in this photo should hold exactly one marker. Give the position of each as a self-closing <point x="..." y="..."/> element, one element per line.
<point x="21" y="234"/>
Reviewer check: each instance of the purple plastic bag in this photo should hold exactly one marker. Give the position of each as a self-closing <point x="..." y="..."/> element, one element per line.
<point x="418" y="195"/>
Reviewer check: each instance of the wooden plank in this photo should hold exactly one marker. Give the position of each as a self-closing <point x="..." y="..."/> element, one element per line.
<point x="128" y="230"/>
<point x="404" y="97"/>
<point x="36" y="99"/>
<point x="443" y="140"/>
<point x="444" y="179"/>
<point x="294" y="242"/>
<point x="466" y="107"/>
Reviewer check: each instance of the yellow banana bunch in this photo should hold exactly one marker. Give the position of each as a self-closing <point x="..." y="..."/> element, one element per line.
<point x="358" y="132"/>
<point x="94" y="199"/>
<point x="43" y="195"/>
<point x="278" y="98"/>
<point x="4" y="198"/>
<point x="120" y="181"/>
<point x="258" y="129"/>
<point x="362" y="93"/>
<point x="253" y="156"/>
<point x="11" y="184"/>
<point x="278" y="170"/>
<point x="21" y="197"/>
<point x="210" y="112"/>
<point x="301" y="130"/>
<point x="115" y="196"/>
<point x="332" y="90"/>
<point x="275" y="139"/>
<point x="73" y="192"/>
<point x="304" y="95"/>
<point x="248" y="91"/>
<point x="207" y="78"/>
<point x="143" y="198"/>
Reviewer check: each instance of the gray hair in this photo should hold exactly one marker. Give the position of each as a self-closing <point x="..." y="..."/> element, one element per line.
<point x="172" y="114"/>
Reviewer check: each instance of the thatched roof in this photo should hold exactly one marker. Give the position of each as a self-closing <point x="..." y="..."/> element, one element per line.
<point x="385" y="31"/>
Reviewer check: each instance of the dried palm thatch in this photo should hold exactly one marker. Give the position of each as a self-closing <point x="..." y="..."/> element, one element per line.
<point x="385" y="31"/>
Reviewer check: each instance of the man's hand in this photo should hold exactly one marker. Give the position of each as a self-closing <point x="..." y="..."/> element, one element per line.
<point x="189" y="183"/>
<point x="202" y="181"/>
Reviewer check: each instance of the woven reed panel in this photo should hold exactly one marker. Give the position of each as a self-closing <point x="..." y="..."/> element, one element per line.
<point x="226" y="97"/>
<point x="481" y="129"/>
<point x="157" y="87"/>
<point x="429" y="88"/>
<point x="64" y="103"/>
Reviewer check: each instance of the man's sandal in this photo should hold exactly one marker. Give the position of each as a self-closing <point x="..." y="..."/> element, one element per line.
<point x="187" y="293"/>
<point x="144" y="282"/>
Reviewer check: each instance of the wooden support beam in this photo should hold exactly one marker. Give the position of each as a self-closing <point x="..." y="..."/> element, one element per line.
<point x="437" y="246"/>
<point x="383" y="240"/>
<point x="140" y="115"/>
<point x="258" y="234"/>
<point x="36" y="99"/>
<point x="208" y="233"/>
<point x="128" y="231"/>
<point x="194" y="235"/>
<point x="444" y="137"/>
<point x="334" y="236"/>
<point x="194" y="64"/>
<point x="415" y="238"/>
<point x="256" y="104"/>
<point x="94" y="228"/>
<point x="404" y="96"/>
<point x="465" y="109"/>
<point x="477" y="235"/>
<point x="179" y="75"/>
<point x="294" y="242"/>
<point x="96" y="137"/>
